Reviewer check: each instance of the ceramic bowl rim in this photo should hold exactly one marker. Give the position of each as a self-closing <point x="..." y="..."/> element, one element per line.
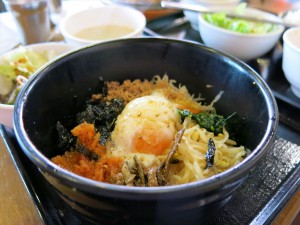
<point x="287" y="41"/>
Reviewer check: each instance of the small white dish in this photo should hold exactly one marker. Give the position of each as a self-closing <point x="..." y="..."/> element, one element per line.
<point x="291" y="58"/>
<point x="102" y="17"/>
<point x="245" y="46"/>
<point x="6" y="110"/>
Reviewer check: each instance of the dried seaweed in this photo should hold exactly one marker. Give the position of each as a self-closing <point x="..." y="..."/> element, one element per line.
<point x="86" y="152"/>
<point x="210" y="154"/>
<point x="65" y="138"/>
<point x="102" y="114"/>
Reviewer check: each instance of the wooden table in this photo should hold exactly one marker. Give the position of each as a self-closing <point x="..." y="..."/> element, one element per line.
<point x="17" y="207"/>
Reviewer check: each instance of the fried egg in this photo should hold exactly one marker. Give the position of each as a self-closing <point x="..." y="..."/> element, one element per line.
<point x="146" y="125"/>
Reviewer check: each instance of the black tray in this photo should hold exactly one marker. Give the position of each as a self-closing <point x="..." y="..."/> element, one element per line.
<point x="269" y="188"/>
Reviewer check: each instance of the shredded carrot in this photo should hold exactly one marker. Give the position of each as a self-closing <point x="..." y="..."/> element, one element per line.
<point x="105" y="169"/>
<point x="87" y="136"/>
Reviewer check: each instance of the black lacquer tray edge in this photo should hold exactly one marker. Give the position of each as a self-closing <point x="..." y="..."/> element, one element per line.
<point x="280" y="199"/>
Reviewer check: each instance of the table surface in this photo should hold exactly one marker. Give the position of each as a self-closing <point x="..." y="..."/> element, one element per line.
<point x="17" y="207"/>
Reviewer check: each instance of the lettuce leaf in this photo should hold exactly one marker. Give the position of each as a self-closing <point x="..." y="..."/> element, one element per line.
<point x="23" y="62"/>
<point x="239" y="25"/>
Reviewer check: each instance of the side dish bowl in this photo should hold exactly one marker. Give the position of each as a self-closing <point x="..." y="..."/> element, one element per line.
<point x="6" y="110"/>
<point x="291" y="58"/>
<point x="61" y="88"/>
<point x="245" y="46"/>
<point x="102" y="23"/>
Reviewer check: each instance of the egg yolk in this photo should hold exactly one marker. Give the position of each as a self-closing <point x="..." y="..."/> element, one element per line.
<point x="151" y="140"/>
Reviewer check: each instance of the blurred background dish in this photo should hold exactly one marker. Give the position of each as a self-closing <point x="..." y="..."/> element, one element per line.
<point x="291" y="16"/>
<point x="291" y="58"/>
<point x="142" y="5"/>
<point x="102" y="23"/>
<point x="31" y="57"/>
<point x="32" y="20"/>
<point x="8" y="39"/>
<point x="246" y="40"/>
<point x="151" y="8"/>
<point x="213" y="4"/>
<point x="72" y="6"/>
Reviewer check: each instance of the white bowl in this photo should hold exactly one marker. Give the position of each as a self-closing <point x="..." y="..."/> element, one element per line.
<point x="6" y="110"/>
<point x="291" y="58"/>
<point x="243" y="46"/>
<point x="213" y="4"/>
<point x="111" y="15"/>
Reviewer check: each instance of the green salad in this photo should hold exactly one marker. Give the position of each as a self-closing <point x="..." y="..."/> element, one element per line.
<point x="16" y="67"/>
<point x="220" y="19"/>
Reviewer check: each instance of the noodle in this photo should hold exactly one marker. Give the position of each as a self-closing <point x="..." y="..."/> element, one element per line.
<point x="192" y="150"/>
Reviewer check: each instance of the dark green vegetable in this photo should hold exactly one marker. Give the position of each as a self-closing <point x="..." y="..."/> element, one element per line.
<point x="209" y="120"/>
<point x="210" y="154"/>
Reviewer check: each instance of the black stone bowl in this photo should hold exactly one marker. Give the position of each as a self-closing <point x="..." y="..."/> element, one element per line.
<point x="59" y="89"/>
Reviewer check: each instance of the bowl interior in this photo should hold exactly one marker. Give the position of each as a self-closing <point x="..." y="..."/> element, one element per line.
<point x="60" y="89"/>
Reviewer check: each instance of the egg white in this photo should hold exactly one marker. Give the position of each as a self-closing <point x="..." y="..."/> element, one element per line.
<point x="153" y="120"/>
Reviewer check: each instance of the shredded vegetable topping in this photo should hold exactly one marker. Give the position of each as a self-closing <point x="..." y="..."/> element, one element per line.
<point x="16" y="68"/>
<point x="220" y="19"/>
